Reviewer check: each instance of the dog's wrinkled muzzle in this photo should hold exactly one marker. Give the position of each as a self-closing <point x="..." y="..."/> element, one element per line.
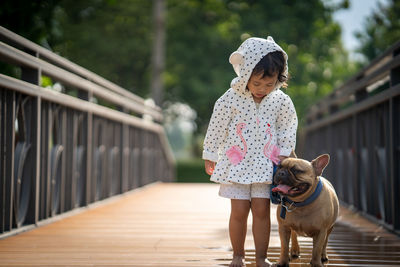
<point x="282" y="175"/>
<point x="282" y="181"/>
<point x="286" y="183"/>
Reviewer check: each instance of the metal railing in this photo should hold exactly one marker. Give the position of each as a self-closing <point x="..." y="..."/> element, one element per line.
<point x="359" y="126"/>
<point x="59" y="149"/>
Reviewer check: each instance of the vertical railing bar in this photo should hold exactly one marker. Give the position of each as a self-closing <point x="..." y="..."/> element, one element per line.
<point x="395" y="159"/>
<point x="109" y="134"/>
<point x="146" y="156"/>
<point x="136" y="160"/>
<point x="394" y="80"/>
<point x="387" y="135"/>
<point x="391" y="160"/>
<point x="71" y="164"/>
<point x="63" y="141"/>
<point x="71" y="148"/>
<point x="42" y="160"/>
<point x="120" y="157"/>
<point x="385" y="131"/>
<point x="96" y="126"/>
<point x="37" y="157"/>
<point x="10" y="140"/>
<point x="48" y="165"/>
<point x="89" y="148"/>
<point x="110" y="145"/>
<point x="141" y="157"/>
<point x="2" y="162"/>
<point x="355" y="158"/>
<point x="153" y="158"/>
<point x="93" y="163"/>
<point x="87" y="131"/>
<point x="372" y="119"/>
<point x="124" y="157"/>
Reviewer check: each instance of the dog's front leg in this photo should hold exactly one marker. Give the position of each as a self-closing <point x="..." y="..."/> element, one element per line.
<point x="318" y="245"/>
<point x="295" y="249"/>
<point x="284" y="234"/>
<point x="324" y="255"/>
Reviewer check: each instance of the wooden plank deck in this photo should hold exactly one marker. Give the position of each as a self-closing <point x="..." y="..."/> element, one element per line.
<point x="178" y="225"/>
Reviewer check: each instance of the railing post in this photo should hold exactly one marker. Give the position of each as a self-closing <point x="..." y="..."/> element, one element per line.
<point x="125" y="153"/>
<point x="394" y="120"/>
<point x="2" y="161"/>
<point x="394" y="161"/>
<point x="88" y="138"/>
<point x="8" y="115"/>
<point x="356" y="153"/>
<point x="34" y="76"/>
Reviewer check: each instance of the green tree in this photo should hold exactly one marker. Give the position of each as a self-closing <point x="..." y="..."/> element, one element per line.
<point x="200" y="37"/>
<point x="110" y="38"/>
<point x="33" y="20"/>
<point x="202" y="34"/>
<point x="382" y="29"/>
<point x="113" y="38"/>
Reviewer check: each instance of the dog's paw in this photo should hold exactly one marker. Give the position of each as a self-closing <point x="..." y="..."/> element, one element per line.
<point x="316" y="264"/>
<point x="294" y="253"/>
<point x="280" y="265"/>
<point x="324" y="258"/>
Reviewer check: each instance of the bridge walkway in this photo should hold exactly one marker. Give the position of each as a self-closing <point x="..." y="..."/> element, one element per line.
<point x="172" y="224"/>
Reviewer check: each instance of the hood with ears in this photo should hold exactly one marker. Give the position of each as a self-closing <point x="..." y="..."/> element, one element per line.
<point x="248" y="55"/>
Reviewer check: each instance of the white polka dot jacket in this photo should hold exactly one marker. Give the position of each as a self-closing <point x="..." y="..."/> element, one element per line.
<point x="245" y="140"/>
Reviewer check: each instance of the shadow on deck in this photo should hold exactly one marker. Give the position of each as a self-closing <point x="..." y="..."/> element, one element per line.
<point x="178" y="225"/>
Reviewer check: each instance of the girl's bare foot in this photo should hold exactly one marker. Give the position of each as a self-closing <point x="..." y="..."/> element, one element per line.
<point x="263" y="263"/>
<point x="237" y="261"/>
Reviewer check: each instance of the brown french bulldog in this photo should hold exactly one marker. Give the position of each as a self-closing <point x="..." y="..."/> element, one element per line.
<point x="311" y="206"/>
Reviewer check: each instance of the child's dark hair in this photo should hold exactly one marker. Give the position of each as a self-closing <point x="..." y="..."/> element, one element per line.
<point x="270" y="64"/>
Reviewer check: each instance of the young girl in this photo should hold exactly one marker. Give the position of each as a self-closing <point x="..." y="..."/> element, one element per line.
<point x="253" y="125"/>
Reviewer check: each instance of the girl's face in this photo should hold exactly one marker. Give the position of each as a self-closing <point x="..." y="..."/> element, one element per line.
<point x="260" y="87"/>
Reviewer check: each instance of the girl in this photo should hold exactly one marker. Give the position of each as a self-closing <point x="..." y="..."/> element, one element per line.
<point x="253" y="125"/>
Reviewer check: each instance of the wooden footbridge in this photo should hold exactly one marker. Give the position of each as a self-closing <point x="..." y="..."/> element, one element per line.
<point x="170" y="224"/>
<point x="86" y="172"/>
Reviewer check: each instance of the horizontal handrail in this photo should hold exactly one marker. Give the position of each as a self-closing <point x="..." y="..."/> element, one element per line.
<point x="376" y="71"/>
<point x="76" y="103"/>
<point x="356" y="108"/>
<point x="21" y="58"/>
<point x="73" y="102"/>
<point x="13" y="39"/>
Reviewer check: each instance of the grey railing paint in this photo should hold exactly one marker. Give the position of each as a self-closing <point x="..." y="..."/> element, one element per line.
<point x="359" y="126"/>
<point x="60" y="150"/>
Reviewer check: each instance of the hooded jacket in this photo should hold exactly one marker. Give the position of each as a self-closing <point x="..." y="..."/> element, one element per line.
<point x="245" y="140"/>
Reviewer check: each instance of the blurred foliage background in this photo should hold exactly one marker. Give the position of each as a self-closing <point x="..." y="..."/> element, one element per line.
<point x="114" y="39"/>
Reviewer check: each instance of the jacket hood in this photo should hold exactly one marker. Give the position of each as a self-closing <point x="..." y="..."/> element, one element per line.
<point x="249" y="53"/>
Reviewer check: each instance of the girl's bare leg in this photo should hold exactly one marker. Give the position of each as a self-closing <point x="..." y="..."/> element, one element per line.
<point x="260" y="209"/>
<point x="237" y="229"/>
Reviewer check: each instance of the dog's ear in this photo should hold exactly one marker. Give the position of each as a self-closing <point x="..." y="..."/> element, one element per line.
<point x="292" y="154"/>
<point x="320" y="163"/>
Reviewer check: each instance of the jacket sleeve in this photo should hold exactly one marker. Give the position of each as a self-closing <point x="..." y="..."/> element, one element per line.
<point x="217" y="128"/>
<point x="286" y="127"/>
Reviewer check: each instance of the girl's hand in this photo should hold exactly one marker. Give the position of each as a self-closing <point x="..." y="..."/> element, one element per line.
<point x="209" y="166"/>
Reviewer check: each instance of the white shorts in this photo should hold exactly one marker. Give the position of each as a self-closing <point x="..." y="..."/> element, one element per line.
<point x="245" y="191"/>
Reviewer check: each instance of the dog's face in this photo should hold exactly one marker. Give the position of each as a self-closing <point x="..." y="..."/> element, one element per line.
<point x="295" y="177"/>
